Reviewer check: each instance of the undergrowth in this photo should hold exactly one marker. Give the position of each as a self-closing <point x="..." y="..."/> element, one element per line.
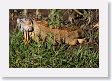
<point x="45" y="55"/>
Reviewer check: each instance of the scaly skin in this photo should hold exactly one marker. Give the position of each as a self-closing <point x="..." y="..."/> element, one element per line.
<point x="42" y="31"/>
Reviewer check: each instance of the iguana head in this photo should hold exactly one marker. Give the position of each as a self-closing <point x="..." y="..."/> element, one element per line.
<point x="24" y="24"/>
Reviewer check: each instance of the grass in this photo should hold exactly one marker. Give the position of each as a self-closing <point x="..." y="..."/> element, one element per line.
<point x="45" y="55"/>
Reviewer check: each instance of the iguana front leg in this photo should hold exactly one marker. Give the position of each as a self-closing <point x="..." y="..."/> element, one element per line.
<point x="25" y="37"/>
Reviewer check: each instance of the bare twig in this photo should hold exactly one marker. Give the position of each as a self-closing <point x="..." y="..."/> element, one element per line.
<point x="78" y="12"/>
<point x="96" y="25"/>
